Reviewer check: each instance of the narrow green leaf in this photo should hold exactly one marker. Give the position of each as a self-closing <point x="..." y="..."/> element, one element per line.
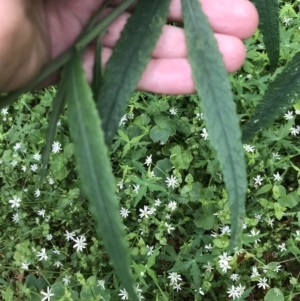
<point x="58" y="105"/>
<point x="128" y="61"/>
<point x="219" y="109"/>
<point x="97" y="70"/>
<point x="95" y="170"/>
<point x="268" y="11"/>
<point x="279" y="96"/>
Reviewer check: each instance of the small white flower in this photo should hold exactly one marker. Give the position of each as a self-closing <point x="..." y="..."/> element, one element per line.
<point x="172" y="205"/>
<point x="47" y="294"/>
<point x="69" y="235"/>
<point x="253" y="233"/>
<point x="265" y="268"/>
<point x="42" y="255"/>
<point x="297" y="112"/>
<point x="270" y="222"/>
<point x="123" y="120"/>
<point x="56" y="147"/>
<point x="49" y="237"/>
<point x="177" y="286"/>
<point x="276" y="156"/>
<point x="41" y="212"/>
<point x="57" y="264"/>
<point x="152" y="210"/>
<point x="255" y="272"/>
<point x="172" y="182"/>
<point x="224" y="257"/>
<point x="4" y="111"/>
<point x="37" y="156"/>
<point x="144" y="212"/>
<point x="248" y="148"/>
<point x="23" y="168"/>
<point x="225" y="230"/>
<point x="234" y="292"/>
<point x="101" y="283"/>
<point x="17" y="146"/>
<point x="200" y="291"/>
<point x="294" y="131"/>
<point x="136" y="188"/>
<point x="148" y="160"/>
<point x="124" y="212"/>
<point x="50" y="181"/>
<point x="288" y="115"/>
<point x="130" y="115"/>
<point x="123" y="294"/>
<point x="258" y="217"/>
<point x="15" y="202"/>
<point x="173" y="111"/>
<point x="278" y="268"/>
<point x="204" y="134"/>
<point x="258" y="180"/>
<point x="208" y="267"/>
<point x="37" y="193"/>
<point x="234" y="277"/>
<point x="282" y="247"/>
<point x="224" y="265"/>
<point x="262" y="282"/>
<point x="157" y="202"/>
<point x="277" y="177"/>
<point x="174" y="277"/>
<point x="80" y="243"/>
<point x="286" y="21"/>
<point x="34" y="167"/>
<point x="25" y="265"/>
<point x="121" y="184"/>
<point x="208" y="247"/>
<point x="16" y="217"/>
<point x="169" y="228"/>
<point x="199" y="116"/>
<point x="14" y="163"/>
<point x="55" y="251"/>
<point x="151" y="250"/>
<point x="66" y="280"/>
<point x="224" y="262"/>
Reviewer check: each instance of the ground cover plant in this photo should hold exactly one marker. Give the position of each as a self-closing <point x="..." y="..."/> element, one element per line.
<point x="166" y="170"/>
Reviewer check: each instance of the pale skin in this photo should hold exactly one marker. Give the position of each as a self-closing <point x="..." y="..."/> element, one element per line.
<point x="33" y="32"/>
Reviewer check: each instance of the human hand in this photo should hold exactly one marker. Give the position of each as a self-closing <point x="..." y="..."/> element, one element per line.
<point x="33" y="33"/>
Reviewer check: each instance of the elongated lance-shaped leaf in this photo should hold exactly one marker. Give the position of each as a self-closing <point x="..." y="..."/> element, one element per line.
<point x="219" y="110"/>
<point x="268" y="11"/>
<point x="58" y="105"/>
<point x="95" y="170"/>
<point x="97" y="70"/>
<point x="280" y="94"/>
<point x="128" y="61"/>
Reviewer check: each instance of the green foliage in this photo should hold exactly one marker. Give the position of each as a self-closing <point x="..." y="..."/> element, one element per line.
<point x="281" y="93"/>
<point x="219" y="110"/>
<point x="128" y="62"/>
<point x="94" y="167"/>
<point x="171" y="197"/>
<point x="268" y="11"/>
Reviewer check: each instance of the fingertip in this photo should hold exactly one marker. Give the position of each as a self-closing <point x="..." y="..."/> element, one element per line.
<point x="233" y="51"/>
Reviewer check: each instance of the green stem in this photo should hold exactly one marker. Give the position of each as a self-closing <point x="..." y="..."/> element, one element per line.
<point x="58" y="62"/>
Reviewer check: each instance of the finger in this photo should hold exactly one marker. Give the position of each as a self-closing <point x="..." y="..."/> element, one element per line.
<point x="173" y="76"/>
<point x="231" y="17"/>
<point x="171" y="43"/>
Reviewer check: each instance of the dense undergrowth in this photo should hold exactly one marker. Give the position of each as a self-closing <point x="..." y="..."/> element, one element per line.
<point x="172" y="200"/>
